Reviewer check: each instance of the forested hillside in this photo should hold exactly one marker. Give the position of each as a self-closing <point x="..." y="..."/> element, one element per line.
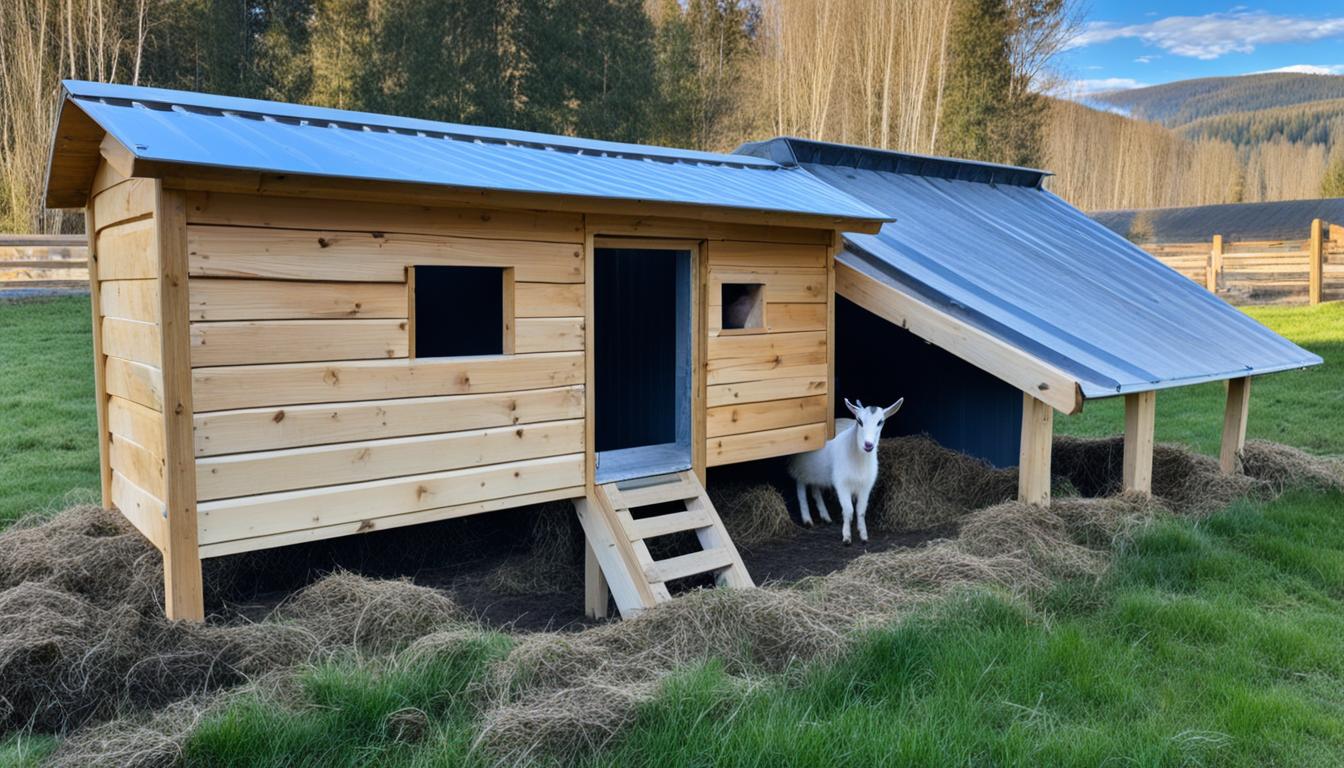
<point x="1314" y="123"/>
<point x="1175" y="104"/>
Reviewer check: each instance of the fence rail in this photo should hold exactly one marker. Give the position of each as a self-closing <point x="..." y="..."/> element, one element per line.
<point x="43" y="261"/>
<point x="1310" y="270"/>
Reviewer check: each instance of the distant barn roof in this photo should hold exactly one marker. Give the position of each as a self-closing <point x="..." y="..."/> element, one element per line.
<point x="1286" y="220"/>
<point x="987" y="245"/>
<point x="160" y="126"/>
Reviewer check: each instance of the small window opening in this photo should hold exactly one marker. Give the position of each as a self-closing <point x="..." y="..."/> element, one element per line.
<point x="743" y="306"/>
<point x="459" y="311"/>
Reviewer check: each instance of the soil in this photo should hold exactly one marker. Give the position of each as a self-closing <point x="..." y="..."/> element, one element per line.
<point x="812" y="552"/>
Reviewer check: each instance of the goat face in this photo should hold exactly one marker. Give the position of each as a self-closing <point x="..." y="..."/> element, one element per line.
<point x="870" y="420"/>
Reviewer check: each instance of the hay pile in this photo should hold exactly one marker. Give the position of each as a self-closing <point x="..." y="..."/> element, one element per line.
<point x="754" y="512"/>
<point x="922" y="485"/>
<point x="552" y="560"/>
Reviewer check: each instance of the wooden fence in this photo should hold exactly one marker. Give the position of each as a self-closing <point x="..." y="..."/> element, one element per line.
<point x="1310" y="270"/>
<point x="44" y="261"/>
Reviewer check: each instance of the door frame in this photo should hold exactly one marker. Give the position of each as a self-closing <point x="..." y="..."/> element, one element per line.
<point x="594" y="241"/>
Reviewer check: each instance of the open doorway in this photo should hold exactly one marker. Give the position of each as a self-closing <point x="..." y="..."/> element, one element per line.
<point x="642" y="360"/>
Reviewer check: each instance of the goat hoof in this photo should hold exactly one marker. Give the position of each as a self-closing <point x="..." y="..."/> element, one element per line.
<point x="807" y="523"/>
<point x="847" y="542"/>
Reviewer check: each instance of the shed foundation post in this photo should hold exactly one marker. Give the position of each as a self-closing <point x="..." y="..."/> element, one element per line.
<point x="1316" y="261"/>
<point x="595" y="591"/>
<point x="1033" y="478"/>
<point x="1234" y="424"/>
<point x="1140" y="417"/>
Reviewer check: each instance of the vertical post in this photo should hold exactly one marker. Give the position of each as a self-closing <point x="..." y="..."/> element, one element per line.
<point x="1234" y="424"/>
<point x="1215" y="268"/>
<point x="1315" y="262"/>
<point x="595" y="584"/>
<point x="1140" y="418"/>
<point x="183" y="595"/>
<point x="1033" y="468"/>
<point x="837" y="243"/>
<point x="99" y="360"/>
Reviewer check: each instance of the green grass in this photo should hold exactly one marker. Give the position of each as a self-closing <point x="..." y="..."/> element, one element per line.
<point x="1301" y="408"/>
<point x="1219" y="643"/>
<point x="25" y="750"/>
<point x="48" y="426"/>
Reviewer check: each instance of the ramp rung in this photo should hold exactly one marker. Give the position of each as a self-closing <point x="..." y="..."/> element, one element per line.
<point x="661" y="493"/>
<point x="689" y="565"/>
<point x="675" y="522"/>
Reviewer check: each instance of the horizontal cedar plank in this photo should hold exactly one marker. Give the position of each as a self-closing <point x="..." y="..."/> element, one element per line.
<point x="253" y="342"/>
<point x="140" y="507"/>
<point x="760" y="356"/>
<point x="131" y="199"/>
<point x="137" y="423"/>
<point x="756" y="417"/>
<point x="255" y="386"/>
<point x="804" y="285"/>
<point x="227" y="299"/>
<point x="547" y="299"/>
<point x="130" y="299"/>
<point x="347" y="215"/>
<point x="273" y="513"/>
<point x="548" y="334"/>
<point x="731" y="449"/>
<point x="260" y="429"/>
<point x="128" y="251"/>
<point x="732" y="253"/>
<point x="136" y="382"/>
<point x="243" y="474"/>
<point x="137" y="464"/>
<point x="779" y="318"/>
<point x="292" y="254"/>
<point x="697" y="229"/>
<point x="803" y="382"/>
<point x="690" y="564"/>
<point x="131" y="340"/>
<point x="385" y="522"/>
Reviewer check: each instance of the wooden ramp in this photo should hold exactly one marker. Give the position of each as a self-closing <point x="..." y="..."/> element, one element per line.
<point x="618" y="556"/>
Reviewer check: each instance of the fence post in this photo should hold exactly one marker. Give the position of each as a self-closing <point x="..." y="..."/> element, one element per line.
<point x="1215" y="267"/>
<point x="1315" y="268"/>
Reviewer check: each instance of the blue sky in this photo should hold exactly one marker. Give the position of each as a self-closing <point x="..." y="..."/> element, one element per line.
<point x="1131" y="43"/>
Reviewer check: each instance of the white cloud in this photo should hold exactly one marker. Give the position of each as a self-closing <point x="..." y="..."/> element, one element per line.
<point x="1146" y="59"/>
<point x="1215" y="34"/>
<point x="1077" y="89"/>
<point x="1308" y="69"/>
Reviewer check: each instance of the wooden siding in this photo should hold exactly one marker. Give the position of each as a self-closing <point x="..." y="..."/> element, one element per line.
<point x="767" y="388"/>
<point x="312" y="417"/>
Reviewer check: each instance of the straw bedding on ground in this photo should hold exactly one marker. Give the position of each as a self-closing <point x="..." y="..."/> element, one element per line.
<point x="83" y="641"/>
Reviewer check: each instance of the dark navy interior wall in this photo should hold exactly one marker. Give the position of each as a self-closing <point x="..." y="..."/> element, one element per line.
<point x="952" y="401"/>
<point x="636" y="322"/>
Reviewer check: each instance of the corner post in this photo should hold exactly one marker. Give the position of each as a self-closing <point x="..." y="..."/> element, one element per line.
<point x="99" y="360"/>
<point x="1315" y="262"/>
<point x="183" y="594"/>
<point x="1215" y="268"/>
<point x="1038" y="425"/>
<point x="1234" y="424"/>
<point x="1140" y="418"/>
<point x="595" y="591"/>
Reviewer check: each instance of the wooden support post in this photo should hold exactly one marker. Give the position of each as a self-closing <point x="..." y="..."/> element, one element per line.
<point x="1234" y="424"/>
<point x="1033" y="478"/>
<point x="99" y="362"/>
<point x="1215" y="268"/>
<point x="1140" y="417"/>
<point x="1315" y="262"/>
<point x="183" y="595"/>
<point x="595" y="591"/>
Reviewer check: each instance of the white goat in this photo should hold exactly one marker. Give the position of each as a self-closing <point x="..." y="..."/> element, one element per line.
<point x="847" y="463"/>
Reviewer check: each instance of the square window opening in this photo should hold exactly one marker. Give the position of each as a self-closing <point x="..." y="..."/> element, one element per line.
<point x="459" y="311"/>
<point x="743" y="306"/>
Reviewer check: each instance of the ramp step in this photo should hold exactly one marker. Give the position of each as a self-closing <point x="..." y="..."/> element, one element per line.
<point x="695" y="563"/>
<point x="660" y="493"/>
<point x="662" y="525"/>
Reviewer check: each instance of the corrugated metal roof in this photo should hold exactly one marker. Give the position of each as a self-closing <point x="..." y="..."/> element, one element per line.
<point x="224" y="132"/>
<point x="1282" y="220"/>
<point x="1021" y="264"/>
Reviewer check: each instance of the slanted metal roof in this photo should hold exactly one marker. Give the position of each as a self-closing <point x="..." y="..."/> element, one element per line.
<point x="1279" y="220"/>
<point x="1019" y="263"/>
<point x="176" y="127"/>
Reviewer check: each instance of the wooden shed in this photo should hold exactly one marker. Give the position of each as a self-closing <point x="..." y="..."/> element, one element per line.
<point x="312" y="323"/>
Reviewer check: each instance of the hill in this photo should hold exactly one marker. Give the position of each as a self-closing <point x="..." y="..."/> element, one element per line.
<point x="1314" y="123"/>
<point x="1185" y="101"/>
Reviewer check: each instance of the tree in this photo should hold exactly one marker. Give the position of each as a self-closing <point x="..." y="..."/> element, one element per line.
<point x="976" y="111"/>
<point x="1333" y="183"/>
<point x="342" y="48"/>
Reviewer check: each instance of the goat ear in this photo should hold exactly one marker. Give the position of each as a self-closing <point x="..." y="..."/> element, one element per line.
<point x="894" y="407"/>
<point x="852" y="408"/>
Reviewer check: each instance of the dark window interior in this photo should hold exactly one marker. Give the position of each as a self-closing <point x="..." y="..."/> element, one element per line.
<point x="635" y="318"/>
<point x="743" y="306"/>
<point x="459" y="311"/>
